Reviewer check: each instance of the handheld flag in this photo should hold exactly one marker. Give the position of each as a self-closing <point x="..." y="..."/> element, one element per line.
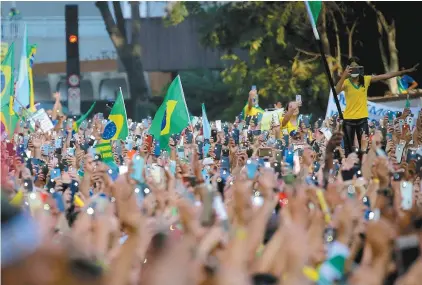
<point x="206" y="127"/>
<point x="172" y="116"/>
<point x="6" y="75"/>
<point x="22" y="86"/>
<point x="118" y="117"/>
<point x="83" y="118"/>
<point x="32" y="50"/>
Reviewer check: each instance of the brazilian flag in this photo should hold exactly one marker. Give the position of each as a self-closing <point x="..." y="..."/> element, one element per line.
<point x="6" y="76"/>
<point x="172" y="117"/>
<point x="8" y="121"/>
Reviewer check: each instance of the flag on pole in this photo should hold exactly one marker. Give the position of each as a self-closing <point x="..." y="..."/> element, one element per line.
<point x="8" y="121"/>
<point x="77" y="123"/>
<point x="31" y="51"/>
<point x="6" y="76"/>
<point x="22" y="87"/>
<point x="118" y="116"/>
<point x="206" y="127"/>
<point x="314" y="9"/>
<point x="172" y="116"/>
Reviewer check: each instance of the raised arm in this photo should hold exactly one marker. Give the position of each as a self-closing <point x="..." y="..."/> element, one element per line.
<point x="344" y="76"/>
<point x="389" y="75"/>
<point x="252" y="94"/>
<point x="292" y="107"/>
<point x="413" y="85"/>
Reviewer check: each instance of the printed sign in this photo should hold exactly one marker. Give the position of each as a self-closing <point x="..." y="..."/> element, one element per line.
<point x="106" y="151"/>
<point x="376" y="111"/>
<point x="270" y="116"/>
<point x="45" y="122"/>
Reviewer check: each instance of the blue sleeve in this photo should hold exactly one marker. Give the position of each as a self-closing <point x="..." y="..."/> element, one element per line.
<point x="408" y="79"/>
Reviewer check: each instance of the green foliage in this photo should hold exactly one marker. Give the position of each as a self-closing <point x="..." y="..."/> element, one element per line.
<point x="262" y="42"/>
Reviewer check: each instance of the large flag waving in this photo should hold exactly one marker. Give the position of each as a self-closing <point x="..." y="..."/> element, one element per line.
<point x="6" y="76"/>
<point x="206" y="127"/>
<point x="314" y="9"/>
<point x="172" y="116"/>
<point x="8" y="121"/>
<point x="22" y="87"/>
<point x="31" y="51"/>
<point x="77" y="123"/>
<point x="118" y="116"/>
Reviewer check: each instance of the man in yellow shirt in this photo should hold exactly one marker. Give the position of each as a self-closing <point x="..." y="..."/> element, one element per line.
<point x="355" y="86"/>
<point x="252" y="109"/>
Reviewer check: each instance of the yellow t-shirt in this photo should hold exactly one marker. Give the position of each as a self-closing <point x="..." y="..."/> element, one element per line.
<point x="288" y="127"/>
<point x="356" y="99"/>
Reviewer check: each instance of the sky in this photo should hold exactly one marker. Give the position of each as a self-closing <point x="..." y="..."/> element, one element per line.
<point x="408" y="39"/>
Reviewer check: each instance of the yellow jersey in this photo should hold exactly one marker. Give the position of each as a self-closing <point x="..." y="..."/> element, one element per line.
<point x="356" y="99"/>
<point x="288" y="127"/>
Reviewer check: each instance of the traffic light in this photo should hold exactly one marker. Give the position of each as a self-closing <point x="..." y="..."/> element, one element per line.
<point x="72" y="38"/>
<point x="72" y="59"/>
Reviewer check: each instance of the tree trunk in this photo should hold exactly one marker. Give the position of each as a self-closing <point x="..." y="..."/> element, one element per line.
<point x="137" y="86"/>
<point x="392" y="63"/>
<point x="350" y="33"/>
<point x="394" y="58"/>
<point x="129" y="54"/>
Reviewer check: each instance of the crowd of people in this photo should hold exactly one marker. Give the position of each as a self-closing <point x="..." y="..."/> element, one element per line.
<point x="291" y="204"/>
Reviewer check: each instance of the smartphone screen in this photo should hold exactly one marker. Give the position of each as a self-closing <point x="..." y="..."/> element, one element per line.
<point x="217" y="151"/>
<point x="181" y="152"/>
<point x="214" y="134"/>
<point x="289" y="157"/>
<point x="70" y="151"/>
<point x="58" y="142"/>
<point x="157" y="149"/>
<point x="251" y="168"/>
<point x="55" y="173"/>
<point x="264" y="152"/>
<point x="406" y="190"/>
<point x="138" y="166"/>
<point x="58" y="197"/>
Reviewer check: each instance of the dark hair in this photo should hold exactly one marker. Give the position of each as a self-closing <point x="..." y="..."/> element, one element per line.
<point x="361" y="79"/>
<point x="353" y="59"/>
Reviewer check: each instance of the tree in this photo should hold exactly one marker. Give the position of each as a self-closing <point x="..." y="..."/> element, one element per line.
<point x="390" y="62"/>
<point x="262" y="42"/>
<point x="129" y="52"/>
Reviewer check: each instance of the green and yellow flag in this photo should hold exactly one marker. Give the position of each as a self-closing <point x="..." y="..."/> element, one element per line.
<point x="314" y="9"/>
<point x="118" y="116"/>
<point x="31" y="51"/>
<point x="6" y="76"/>
<point x="77" y="123"/>
<point x="8" y="121"/>
<point x="172" y="117"/>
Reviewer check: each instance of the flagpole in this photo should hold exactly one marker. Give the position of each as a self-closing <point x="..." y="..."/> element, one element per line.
<point x="326" y="67"/>
<point x="184" y="100"/>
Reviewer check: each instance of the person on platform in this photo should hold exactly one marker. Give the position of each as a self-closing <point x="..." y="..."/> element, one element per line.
<point x="355" y="86"/>
<point x="406" y="83"/>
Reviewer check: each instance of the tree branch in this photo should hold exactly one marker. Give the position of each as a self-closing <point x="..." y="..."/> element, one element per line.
<point x="382" y="49"/>
<point x="336" y="31"/>
<point x="119" y="18"/>
<point x="380" y="16"/>
<point x="114" y="33"/>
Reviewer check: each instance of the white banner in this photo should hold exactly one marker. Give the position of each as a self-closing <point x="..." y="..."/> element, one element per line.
<point x="376" y="111"/>
<point x="42" y="117"/>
